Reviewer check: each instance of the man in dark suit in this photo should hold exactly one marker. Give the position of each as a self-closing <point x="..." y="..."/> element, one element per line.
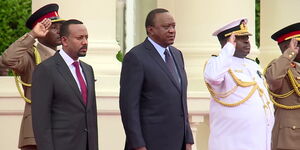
<point x="63" y="96"/>
<point x="153" y="90"/>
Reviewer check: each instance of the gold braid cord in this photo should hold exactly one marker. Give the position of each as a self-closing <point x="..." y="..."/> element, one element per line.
<point x="239" y="83"/>
<point x="18" y="78"/>
<point x="295" y="89"/>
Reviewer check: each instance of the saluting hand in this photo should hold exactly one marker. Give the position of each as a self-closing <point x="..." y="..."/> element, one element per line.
<point x="231" y="39"/>
<point x="294" y="46"/>
<point x="41" y="28"/>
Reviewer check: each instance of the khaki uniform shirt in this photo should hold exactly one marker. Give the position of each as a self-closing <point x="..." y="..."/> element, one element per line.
<point x="286" y="131"/>
<point x="20" y="58"/>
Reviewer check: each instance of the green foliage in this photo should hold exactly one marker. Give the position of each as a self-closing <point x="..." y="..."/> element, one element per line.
<point x="120" y="56"/>
<point x="13" y="15"/>
<point x="257" y="22"/>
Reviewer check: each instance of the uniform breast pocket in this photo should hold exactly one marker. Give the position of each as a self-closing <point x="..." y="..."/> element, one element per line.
<point x="289" y="135"/>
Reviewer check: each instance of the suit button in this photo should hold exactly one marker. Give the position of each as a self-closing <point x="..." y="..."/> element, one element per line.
<point x="86" y="130"/>
<point x="294" y="127"/>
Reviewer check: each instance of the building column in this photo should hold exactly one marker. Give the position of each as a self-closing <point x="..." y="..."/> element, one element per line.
<point x="275" y="15"/>
<point x="100" y="19"/>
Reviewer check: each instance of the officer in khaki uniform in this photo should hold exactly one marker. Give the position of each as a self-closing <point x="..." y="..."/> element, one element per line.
<point x="283" y="77"/>
<point x="22" y="56"/>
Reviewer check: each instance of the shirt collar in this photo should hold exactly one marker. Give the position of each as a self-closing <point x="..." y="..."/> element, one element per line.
<point x="66" y="57"/>
<point x="159" y="48"/>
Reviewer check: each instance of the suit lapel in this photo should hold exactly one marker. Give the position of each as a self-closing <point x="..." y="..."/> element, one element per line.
<point x="89" y="79"/>
<point x="155" y="55"/>
<point x="65" y="72"/>
<point x="178" y="64"/>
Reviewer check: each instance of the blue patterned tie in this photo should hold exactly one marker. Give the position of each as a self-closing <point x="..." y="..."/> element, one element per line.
<point x="172" y="67"/>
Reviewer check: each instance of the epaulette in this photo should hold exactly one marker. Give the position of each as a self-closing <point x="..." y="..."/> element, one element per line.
<point x="256" y="60"/>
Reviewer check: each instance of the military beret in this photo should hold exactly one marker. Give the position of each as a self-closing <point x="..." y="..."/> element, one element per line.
<point x="48" y="11"/>
<point x="291" y="31"/>
<point x="239" y="27"/>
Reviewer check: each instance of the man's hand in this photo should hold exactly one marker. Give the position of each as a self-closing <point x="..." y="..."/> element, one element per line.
<point x="293" y="46"/>
<point x="188" y="147"/>
<point x="41" y="28"/>
<point x="141" y="148"/>
<point x="231" y="39"/>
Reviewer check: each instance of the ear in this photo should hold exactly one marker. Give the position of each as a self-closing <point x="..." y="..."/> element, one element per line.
<point x="64" y="41"/>
<point x="150" y="30"/>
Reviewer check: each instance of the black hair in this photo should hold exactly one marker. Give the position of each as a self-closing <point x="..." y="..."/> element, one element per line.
<point x="64" y="29"/>
<point x="151" y="16"/>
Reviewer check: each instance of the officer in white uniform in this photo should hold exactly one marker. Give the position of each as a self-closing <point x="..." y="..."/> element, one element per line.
<point x="241" y="114"/>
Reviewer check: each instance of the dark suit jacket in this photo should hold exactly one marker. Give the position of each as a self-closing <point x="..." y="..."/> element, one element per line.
<point x="61" y="121"/>
<point x="153" y="108"/>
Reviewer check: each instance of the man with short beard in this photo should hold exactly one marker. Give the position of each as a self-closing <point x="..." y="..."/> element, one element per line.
<point x="64" y="109"/>
<point x="22" y="57"/>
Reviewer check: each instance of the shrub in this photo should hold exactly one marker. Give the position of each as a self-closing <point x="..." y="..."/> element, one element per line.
<point x="13" y="15"/>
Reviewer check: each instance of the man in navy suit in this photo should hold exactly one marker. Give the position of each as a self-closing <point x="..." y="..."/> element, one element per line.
<point x="63" y="95"/>
<point x="153" y="90"/>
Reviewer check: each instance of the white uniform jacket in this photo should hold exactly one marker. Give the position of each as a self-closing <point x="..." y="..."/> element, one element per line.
<point x="248" y="125"/>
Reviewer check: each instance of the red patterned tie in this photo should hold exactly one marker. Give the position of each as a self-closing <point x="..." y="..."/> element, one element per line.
<point x="81" y="81"/>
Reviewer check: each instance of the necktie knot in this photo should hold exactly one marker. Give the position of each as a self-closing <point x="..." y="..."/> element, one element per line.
<point x="167" y="53"/>
<point x="76" y="64"/>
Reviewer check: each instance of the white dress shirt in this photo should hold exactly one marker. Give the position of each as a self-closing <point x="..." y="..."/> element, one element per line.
<point x="69" y="61"/>
<point x="159" y="49"/>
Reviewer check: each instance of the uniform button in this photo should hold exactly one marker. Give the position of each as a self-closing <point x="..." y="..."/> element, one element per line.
<point x="294" y="127"/>
<point x="290" y="56"/>
<point x="293" y="53"/>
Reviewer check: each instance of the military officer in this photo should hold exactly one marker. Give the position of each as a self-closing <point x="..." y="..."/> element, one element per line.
<point x="22" y="56"/>
<point x="283" y="77"/>
<point x="241" y="114"/>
